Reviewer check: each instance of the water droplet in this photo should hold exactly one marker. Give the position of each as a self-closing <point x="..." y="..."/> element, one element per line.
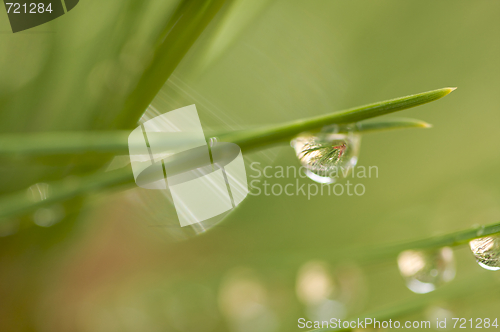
<point x="327" y="155"/>
<point x="38" y="192"/>
<point x="48" y="216"/>
<point x="244" y="301"/>
<point x="326" y="294"/>
<point x="426" y="270"/>
<point x="314" y="283"/>
<point x="487" y="252"/>
<point x="439" y="315"/>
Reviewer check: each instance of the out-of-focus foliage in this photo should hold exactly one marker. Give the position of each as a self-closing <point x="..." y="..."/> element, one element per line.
<point x="106" y="267"/>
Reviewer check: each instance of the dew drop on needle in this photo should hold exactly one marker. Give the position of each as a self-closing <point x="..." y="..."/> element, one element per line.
<point x="487" y="252"/>
<point x="425" y="270"/>
<point x="327" y="155"/>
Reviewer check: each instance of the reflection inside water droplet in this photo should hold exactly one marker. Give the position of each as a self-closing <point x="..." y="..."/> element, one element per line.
<point x="327" y="155"/>
<point x="487" y="252"/>
<point x="426" y="270"/>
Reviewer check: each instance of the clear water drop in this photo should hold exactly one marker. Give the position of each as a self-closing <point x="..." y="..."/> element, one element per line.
<point x="439" y="313"/>
<point x="314" y="283"/>
<point x="48" y="216"/>
<point x="329" y="154"/>
<point x="487" y="252"/>
<point x="38" y="192"/>
<point x="244" y="302"/>
<point x="424" y="271"/>
<point x="326" y="293"/>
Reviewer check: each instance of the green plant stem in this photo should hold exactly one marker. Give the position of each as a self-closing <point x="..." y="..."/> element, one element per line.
<point x="277" y="133"/>
<point x="55" y="143"/>
<point x="434" y="242"/>
<point x="17" y="203"/>
<point x="374" y="255"/>
<point x="117" y="141"/>
<point x="62" y="190"/>
<point x="179" y="34"/>
<point x="389" y="124"/>
<point x="418" y="303"/>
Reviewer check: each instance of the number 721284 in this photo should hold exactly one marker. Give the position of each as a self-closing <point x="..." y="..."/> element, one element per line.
<point x="478" y="323"/>
<point x="32" y="8"/>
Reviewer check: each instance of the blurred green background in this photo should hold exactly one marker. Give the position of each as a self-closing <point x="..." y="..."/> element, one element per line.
<point x="103" y="267"/>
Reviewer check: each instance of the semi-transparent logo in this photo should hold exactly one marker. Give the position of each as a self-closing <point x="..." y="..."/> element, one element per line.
<point x="170" y="152"/>
<point x="28" y="14"/>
